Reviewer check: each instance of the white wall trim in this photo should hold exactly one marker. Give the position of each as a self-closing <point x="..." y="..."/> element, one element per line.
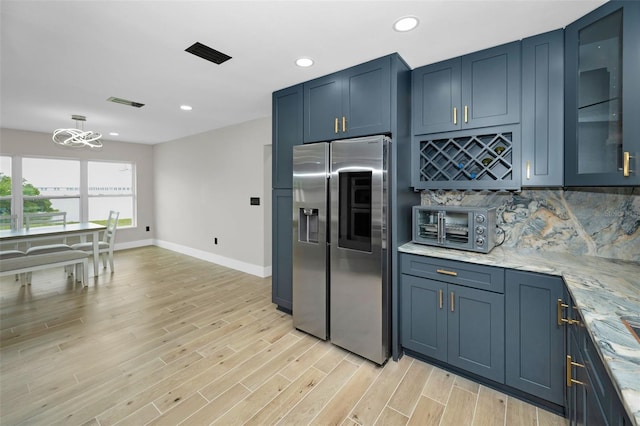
<point x="259" y="271"/>
<point x="133" y="244"/>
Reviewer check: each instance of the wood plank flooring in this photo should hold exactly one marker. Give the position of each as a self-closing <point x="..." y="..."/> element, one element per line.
<point x="169" y="339"/>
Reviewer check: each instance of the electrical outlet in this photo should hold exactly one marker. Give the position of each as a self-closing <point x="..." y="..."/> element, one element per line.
<point x="148" y="228"/>
<point x="215" y="240"/>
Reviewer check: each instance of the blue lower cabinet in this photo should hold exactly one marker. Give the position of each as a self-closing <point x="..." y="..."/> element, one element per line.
<point x="424" y="316"/>
<point x="476" y="331"/>
<point x="534" y="340"/>
<point x="461" y="326"/>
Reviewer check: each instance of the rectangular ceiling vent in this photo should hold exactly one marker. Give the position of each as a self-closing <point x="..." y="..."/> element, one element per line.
<point x="125" y="102"/>
<point x="205" y="52"/>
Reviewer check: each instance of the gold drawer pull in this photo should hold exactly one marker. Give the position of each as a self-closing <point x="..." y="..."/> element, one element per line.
<point x="344" y="123"/>
<point x="440" y="297"/>
<point x="626" y="171"/>
<point x="570" y="364"/>
<point x="561" y="320"/>
<point x="445" y="272"/>
<point x="528" y="170"/>
<point x="466" y="114"/>
<point x="455" y="115"/>
<point x="453" y="301"/>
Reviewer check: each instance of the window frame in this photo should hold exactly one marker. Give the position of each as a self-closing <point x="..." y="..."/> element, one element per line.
<point x="17" y="197"/>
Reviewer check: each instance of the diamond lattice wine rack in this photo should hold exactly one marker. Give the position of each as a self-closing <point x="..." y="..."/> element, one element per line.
<point x="475" y="160"/>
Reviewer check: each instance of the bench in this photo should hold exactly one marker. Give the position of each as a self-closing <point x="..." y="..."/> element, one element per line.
<point x="23" y="264"/>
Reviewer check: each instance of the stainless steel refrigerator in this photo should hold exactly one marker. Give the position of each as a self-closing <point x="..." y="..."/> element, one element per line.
<point x="341" y="277"/>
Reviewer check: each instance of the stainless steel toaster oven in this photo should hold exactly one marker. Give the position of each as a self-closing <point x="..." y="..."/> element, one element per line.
<point x="465" y="228"/>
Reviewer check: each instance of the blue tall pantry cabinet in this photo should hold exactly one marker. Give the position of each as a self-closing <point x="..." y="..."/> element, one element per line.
<point x="287" y="132"/>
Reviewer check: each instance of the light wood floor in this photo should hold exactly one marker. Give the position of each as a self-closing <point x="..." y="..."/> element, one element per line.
<point x="168" y="339"/>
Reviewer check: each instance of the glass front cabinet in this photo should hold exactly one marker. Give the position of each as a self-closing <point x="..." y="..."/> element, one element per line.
<point x="602" y="97"/>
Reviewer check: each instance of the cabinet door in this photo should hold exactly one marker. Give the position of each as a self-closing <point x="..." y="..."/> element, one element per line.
<point x="476" y="331"/>
<point x="322" y="108"/>
<point x="575" y="407"/>
<point x="366" y="99"/>
<point x="535" y="353"/>
<point x="436" y="97"/>
<point x="281" y="279"/>
<point x="424" y="316"/>
<point x="543" y="110"/>
<point x="602" y="105"/>
<point x="286" y="132"/>
<point x="491" y="87"/>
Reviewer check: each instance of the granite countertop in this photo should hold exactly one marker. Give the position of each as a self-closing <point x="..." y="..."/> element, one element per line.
<point x="605" y="290"/>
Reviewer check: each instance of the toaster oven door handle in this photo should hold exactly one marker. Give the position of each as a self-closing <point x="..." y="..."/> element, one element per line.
<point x="442" y="236"/>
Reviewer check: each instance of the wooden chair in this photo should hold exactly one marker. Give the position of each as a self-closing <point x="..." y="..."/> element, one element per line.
<point x="32" y="220"/>
<point x="105" y="247"/>
<point x="44" y="219"/>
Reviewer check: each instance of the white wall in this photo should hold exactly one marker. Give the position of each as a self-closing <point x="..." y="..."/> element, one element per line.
<point x="203" y="186"/>
<point x="34" y="144"/>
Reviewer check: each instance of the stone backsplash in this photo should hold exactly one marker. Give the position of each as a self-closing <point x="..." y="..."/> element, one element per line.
<point x="603" y="222"/>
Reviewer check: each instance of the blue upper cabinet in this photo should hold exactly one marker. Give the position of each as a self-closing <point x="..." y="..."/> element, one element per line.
<point x="477" y="90"/>
<point x="436" y="97"/>
<point x="543" y="110"/>
<point x="286" y="132"/>
<point x="350" y="103"/>
<point x="491" y="87"/>
<point x="602" y="97"/>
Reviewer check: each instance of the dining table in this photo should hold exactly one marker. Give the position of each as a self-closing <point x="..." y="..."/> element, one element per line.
<point x="82" y="229"/>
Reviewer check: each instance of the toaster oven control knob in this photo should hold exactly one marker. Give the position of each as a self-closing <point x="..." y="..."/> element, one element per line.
<point x="480" y="218"/>
<point x="480" y="230"/>
<point x="480" y="241"/>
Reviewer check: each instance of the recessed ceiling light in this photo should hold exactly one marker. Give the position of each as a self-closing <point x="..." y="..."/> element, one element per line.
<point x="304" y="62"/>
<point x="406" y="23"/>
<point x="114" y="134"/>
<point x="185" y="107"/>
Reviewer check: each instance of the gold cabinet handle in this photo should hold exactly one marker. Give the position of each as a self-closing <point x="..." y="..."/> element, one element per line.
<point x="344" y="124"/>
<point x="445" y="272"/>
<point x="561" y="320"/>
<point x="528" y="170"/>
<point x="440" y="296"/>
<point x="453" y="307"/>
<point x="455" y="115"/>
<point x="625" y="164"/>
<point x="336" y="125"/>
<point x="466" y="114"/>
<point x="570" y="380"/>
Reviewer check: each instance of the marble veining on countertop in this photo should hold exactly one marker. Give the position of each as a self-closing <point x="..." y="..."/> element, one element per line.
<point x="605" y="290"/>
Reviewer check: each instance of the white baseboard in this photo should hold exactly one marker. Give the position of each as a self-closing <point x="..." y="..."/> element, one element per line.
<point x="133" y="244"/>
<point x="259" y="271"/>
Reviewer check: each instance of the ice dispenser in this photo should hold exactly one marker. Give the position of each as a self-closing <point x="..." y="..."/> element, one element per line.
<point x="308" y="225"/>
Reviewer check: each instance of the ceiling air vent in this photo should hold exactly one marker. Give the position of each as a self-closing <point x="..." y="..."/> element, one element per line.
<point x="205" y="52"/>
<point x="125" y="102"/>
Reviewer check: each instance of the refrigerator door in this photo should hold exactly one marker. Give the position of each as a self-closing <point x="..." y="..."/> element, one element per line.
<point x="359" y="282"/>
<point x="310" y="250"/>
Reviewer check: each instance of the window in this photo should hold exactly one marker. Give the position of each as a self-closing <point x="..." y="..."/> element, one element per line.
<point x="51" y="185"/>
<point x="85" y="190"/>
<point x="5" y="185"/>
<point x="6" y="221"/>
<point x="110" y="187"/>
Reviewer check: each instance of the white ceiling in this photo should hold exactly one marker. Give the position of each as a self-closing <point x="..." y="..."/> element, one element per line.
<point x="60" y="58"/>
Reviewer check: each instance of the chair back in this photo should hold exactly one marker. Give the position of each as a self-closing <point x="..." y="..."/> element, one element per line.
<point x="44" y="219"/>
<point x="109" y="235"/>
<point x="9" y="221"/>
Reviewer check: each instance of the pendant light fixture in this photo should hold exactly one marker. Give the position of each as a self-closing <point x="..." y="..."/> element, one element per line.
<point x="78" y="137"/>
